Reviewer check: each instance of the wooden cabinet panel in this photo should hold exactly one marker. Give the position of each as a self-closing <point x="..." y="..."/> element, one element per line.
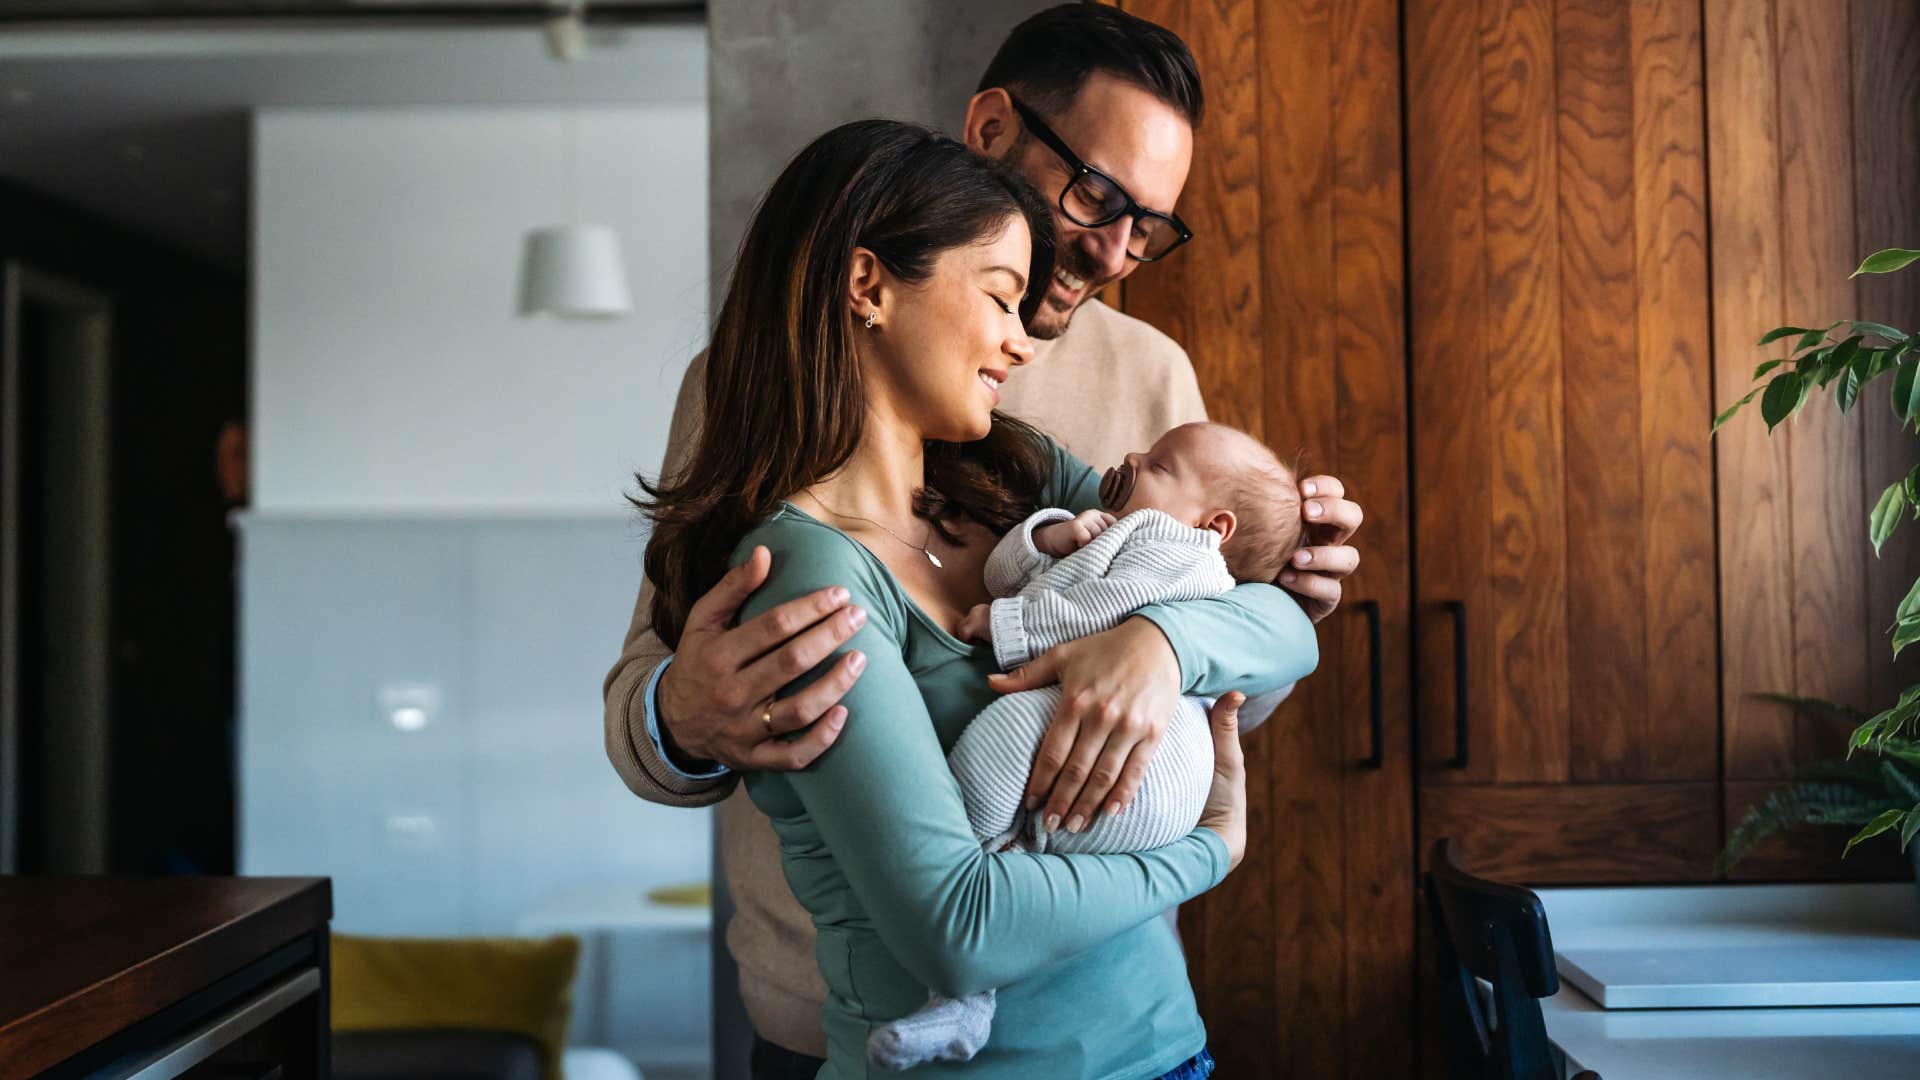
<point x="1884" y="39"/>
<point x="1560" y="402"/>
<point x="1805" y="184"/>
<point x="1552" y="834"/>
<point x="1677" y="579"/>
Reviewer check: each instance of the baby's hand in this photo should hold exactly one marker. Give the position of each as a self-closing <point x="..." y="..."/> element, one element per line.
<point x="978" y="625"/>
<point x="1063" y="538"/>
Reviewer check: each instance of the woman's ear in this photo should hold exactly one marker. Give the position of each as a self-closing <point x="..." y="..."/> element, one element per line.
<point x="991" y="129"/>
<point x="1222" y="522"/>
<point x="866" y="288"/>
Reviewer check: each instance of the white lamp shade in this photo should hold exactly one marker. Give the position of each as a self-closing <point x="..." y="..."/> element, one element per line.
<point x="573" y="271"/>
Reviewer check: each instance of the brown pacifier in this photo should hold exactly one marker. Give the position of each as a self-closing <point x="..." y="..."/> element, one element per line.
<point x="1115" y="486"/>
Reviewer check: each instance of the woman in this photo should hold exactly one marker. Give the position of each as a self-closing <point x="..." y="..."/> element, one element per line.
<point x="851" y="383"/>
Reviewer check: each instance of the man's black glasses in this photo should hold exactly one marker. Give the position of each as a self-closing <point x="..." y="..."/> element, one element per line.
<point x="1092" y="198"/>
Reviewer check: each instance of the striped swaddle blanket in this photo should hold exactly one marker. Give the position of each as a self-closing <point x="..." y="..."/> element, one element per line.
<point x="1144" y="558"/>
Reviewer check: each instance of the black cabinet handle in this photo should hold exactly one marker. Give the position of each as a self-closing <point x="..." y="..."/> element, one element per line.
<point x="1371" y="609"/>
<point x="1458" y="609"/>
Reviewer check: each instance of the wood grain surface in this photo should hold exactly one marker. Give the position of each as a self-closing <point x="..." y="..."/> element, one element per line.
<point x="84" y="957"/>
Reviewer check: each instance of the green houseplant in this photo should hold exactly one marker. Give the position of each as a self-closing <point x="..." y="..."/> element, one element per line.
<point x="1879" y="790"/>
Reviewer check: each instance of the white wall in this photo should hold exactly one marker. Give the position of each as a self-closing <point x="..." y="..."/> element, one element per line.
<point x="391" y="370"/>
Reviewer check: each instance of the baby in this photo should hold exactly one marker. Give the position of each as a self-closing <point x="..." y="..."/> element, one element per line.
<point x="1206" y="507"/>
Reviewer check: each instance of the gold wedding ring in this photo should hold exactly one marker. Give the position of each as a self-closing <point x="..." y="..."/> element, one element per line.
<point x="766" y="717"/>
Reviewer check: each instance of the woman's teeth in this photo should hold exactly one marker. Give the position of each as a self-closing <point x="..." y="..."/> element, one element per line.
<point x="993" y="384"/>
<point x="1071" y="282"/>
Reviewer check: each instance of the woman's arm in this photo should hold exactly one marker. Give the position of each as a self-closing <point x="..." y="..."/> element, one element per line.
<point x="890" y="812"/>
<point x="1253" y="639"/>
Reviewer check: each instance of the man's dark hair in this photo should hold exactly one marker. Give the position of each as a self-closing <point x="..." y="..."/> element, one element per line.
<point x="1047" y="59"/>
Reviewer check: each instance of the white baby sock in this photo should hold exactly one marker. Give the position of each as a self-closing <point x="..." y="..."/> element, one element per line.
<point x="945" y="1029"/>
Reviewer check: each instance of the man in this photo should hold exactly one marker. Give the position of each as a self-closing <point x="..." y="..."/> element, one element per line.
<point x="1097" y="109"/>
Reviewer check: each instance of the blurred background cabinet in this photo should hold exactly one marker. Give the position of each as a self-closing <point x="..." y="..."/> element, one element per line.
<point x="1497" y="265"/>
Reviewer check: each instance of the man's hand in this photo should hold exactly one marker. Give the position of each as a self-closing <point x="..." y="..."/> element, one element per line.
<point x="1119" y="689"/>
<point x="978" y="625"/>
<point x="1331" y="519"/>
<point x="1063" y="538"/>
<point x="716" y="699"/>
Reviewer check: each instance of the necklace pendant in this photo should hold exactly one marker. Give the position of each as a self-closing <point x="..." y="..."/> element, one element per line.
<point x="932" y="558"/>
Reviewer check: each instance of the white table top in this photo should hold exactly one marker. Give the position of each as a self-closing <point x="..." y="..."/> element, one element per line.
<point x="1719" y="946"/>
<point x="610" y="907"/>
<point x="1756" y="943"/>
<point x="1754" y="1044"/>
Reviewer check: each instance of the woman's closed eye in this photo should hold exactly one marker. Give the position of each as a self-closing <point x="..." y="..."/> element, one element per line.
<point x="1003" y="305"/>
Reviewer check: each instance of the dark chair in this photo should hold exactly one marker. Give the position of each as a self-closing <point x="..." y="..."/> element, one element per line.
<point x="1483" y="929"/>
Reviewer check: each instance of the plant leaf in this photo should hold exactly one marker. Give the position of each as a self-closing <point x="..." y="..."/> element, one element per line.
<point x="1783" y="396"/>
<point x="1882" y="329"/>
<point x="1807" y="803"/>
<point x="1910" y="605"/>
<point x="1885" y="261"/>
<point x="1910" y="826"/>
<point x="1903" y="391"/>
<point x="1734" y="408"/>
<point x="1811" y="338"/>
<point x="1777" y="333"/>
<point x="1899" y="784"/>
<point x="1912" y="486"/>
<point x="1761" y="371"/>
<point x="1905" y="633"/>
<point x="1813" y="705"/>
<point x="1838" y="360"/>
<point x="1848" y="391"/>
<point x="1878" y="825"/>
<point x="1886" y="513"/>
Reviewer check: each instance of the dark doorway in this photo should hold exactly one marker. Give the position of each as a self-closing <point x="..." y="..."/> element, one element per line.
<point x="55" y="575"/>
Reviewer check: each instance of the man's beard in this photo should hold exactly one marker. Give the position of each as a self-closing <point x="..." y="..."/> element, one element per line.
<point x="1050" y="322"/>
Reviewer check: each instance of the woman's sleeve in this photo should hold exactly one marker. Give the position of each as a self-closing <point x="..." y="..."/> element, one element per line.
<point x="888" y="809"/>
<point x="1254" y="639"/>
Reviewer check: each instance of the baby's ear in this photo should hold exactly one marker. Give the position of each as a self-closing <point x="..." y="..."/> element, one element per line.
<point x="1222" y="522"/>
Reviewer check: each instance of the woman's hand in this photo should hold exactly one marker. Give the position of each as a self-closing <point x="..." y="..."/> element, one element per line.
<point x="1118" y="692"/>
<point x="1226" y="809"/>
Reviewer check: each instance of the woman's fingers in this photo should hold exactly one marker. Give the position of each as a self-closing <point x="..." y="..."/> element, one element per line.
<point x="1226" y="809"/>
<point x="1228" y="758"/>
<point x="1056" y="749"/>
<point x="1089" y="746"/>
<point x="1103" y="783"/>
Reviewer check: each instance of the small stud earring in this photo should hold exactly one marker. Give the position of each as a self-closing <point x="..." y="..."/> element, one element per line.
<point x="872" y="315"/>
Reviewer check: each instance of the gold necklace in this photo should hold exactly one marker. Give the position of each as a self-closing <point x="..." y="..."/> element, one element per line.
<point x="921" y="548"/>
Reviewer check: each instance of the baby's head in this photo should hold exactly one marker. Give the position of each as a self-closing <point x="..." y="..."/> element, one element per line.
<point x="1211" y="476"/>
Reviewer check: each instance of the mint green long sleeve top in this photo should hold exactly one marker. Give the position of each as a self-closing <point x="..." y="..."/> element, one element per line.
<point x="876" y="846"/>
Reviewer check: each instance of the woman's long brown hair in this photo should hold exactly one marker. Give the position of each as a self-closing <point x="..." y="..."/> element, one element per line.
<point x="785" y="407"/>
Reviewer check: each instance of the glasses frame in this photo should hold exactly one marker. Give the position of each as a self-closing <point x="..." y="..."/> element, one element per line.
<point x="1081" y="169"/>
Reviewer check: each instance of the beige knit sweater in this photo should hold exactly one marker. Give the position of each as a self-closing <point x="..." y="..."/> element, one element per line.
<point x="1110" y="385"/>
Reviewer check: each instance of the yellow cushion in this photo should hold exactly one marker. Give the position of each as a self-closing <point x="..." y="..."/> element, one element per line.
<point x="521" y="985"/>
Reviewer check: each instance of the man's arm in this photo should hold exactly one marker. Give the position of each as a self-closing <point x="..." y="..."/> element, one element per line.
<point x="676" y="726"/>
<point x="630" y="691"/>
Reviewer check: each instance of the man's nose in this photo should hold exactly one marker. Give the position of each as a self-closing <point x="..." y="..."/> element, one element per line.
<point x="1107" y="245"/>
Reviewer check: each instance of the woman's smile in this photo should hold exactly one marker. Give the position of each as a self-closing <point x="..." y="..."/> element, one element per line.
<point x="992" y="380"/>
